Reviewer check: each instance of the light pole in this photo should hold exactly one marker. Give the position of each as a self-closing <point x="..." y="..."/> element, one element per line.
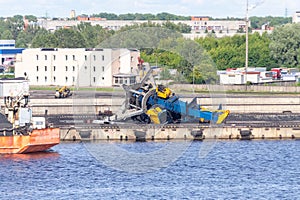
<point x="247" y="36"/>
<point x="247" y="33"/>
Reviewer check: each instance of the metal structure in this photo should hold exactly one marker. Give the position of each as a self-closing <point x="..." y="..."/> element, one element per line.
<point x="145" y="102"/>
<point x="22" y="136"/>
<point x="17" y="110"/>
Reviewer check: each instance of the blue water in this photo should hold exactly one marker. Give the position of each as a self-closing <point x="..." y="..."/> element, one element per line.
<point x="231" y="170"/>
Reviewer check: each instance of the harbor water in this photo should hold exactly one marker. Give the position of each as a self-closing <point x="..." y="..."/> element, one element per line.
<point x="226" y="170"/>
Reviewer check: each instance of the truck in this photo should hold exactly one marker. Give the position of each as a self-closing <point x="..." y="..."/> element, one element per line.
<point x="276" y="73"/>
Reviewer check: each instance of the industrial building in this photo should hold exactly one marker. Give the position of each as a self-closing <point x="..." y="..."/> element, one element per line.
<point x="8" y="52"/>
<point x="78" y="66"/>
<point x="296" y="17"/>
<point x="199" y="25"/>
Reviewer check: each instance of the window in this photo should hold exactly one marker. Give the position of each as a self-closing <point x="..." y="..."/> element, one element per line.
<point x="116" y="80"/>
<point x="132" y="80"/>
<point x="37" y="57"/>
<point x="94" y="68"/>
<point x="102" y="57"/>
<point x="45" y="79"/>
<point x="37" y="68"/>
<point x="54" y="79"/>
<point x="85" y="57"/>
<point x="66" y="79"/>
<point x="73" y="68"/>
<point x="103" y="68"/>
<point x="54" y="57"/>
<point x="37" y="79"/>
<point x="54" y="68"/>
<point x="131" y="58"/>
<point x="85" y="67"/>
<point x="94" y="57"/>
<point x="66" y="57"/>
<point x="66" y="68"/>
<point x="102" y="78"/>
<point x="45" y="68"/>
<point x="45" y="57"/>
<point x="94" y="79"/>
<point x="73" y="79"/>
<point x="74" y="57"/>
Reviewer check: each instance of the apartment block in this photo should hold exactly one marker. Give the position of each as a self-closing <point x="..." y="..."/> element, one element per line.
<point x="78" y="66"/>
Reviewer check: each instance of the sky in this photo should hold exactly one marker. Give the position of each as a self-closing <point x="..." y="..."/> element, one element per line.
<point x="212" y="8"/>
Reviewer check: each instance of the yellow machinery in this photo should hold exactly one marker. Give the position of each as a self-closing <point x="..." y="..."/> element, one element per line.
<point x="163" y="92"/>
<point x="157" y="115"/>
<point x="63" y="92"/>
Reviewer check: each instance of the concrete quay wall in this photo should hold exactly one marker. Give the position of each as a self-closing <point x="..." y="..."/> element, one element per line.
<point x="286" y="87"/>
<point x="236" y="104"/>
<point x="179" y="133"/>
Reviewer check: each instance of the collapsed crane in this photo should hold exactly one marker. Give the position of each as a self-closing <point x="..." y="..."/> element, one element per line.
<point x="149" y="104"/>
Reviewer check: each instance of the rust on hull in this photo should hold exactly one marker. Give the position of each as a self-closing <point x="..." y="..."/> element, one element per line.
<point x="38" y="140"/>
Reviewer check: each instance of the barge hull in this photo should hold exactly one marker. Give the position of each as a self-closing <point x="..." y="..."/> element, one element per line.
<point x="38" y="140"/>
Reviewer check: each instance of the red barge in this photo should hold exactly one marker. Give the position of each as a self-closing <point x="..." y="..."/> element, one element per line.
<point x="22" y="133"/>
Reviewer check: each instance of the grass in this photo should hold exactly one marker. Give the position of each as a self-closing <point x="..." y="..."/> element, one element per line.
<point x="101" y="89"/>
<point x="7" y="76"/>
<point x="187" y="90"/>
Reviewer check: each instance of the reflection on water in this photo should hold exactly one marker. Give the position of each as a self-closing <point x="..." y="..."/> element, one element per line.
<point x="30" y="156"/>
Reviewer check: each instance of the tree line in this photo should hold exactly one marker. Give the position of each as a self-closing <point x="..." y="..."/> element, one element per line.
<point x="281" y="48"/>
<point x="139" y="16"/>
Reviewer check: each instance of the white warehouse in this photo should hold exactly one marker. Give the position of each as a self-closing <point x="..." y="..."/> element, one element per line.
<point x="78" y="66"/>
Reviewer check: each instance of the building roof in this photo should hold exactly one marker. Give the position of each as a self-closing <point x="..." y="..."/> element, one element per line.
<point x="124" y="75"/>
<point x="11" y="51"/>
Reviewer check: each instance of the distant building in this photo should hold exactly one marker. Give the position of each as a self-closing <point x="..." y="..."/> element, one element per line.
<point x="296" y="17"/>
<point x="82" y="67"/>
<point x="72" y="14"/>
<point x="265" y="28"/>
<point x="199" y="18"/>
<point x="85" y="18"/>
<point x="199" y="25"/>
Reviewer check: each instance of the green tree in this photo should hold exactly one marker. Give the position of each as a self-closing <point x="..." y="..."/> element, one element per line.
<point x="31" y="18"/>
<point x="7" y="35"/>
<point x="108" y="16"/>
<point x="229" y="52"/>
<point x="44" y="39"/>
<point x="25" y="37"/>
<point x="285" y="45"/>
<point x="70" y="38"/>
<point x="15" y="24"/>
<point x="257" y="22"/>
<point x="21" y="41"/>
<point x="93" y="35"/>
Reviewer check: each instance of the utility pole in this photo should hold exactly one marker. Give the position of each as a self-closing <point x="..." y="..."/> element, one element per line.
<point x="247" y="35"/>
